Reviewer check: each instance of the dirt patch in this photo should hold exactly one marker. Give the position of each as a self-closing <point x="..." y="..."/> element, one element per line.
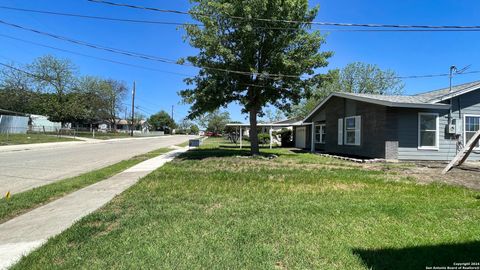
<point x="467" y="175"/>
<point x="314" y="188"/>
<point x="210" y="209"/>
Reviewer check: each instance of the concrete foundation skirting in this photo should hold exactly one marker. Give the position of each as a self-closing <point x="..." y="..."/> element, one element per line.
<point x="357" y="160"/>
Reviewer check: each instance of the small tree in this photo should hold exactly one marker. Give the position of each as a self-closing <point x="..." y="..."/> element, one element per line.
<point x="194" y="129"/>
<point x="162" y="121"/>
<point x="113" y="92"/>
<point x="215" y="121"/>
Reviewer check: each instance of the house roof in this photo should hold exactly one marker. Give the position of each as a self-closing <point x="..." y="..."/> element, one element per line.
<point x="384" y="100"/>
<point x="427" y="100"/>
<point x="444" y="93"/>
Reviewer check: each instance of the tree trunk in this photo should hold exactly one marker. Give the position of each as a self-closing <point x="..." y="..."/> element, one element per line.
<point x="254" y="133"/>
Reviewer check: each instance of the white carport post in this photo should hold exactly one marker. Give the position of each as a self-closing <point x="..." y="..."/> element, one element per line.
<point x="312" y="144"/>
<point x="241" y="137"/>
<point x="270" y="132"/>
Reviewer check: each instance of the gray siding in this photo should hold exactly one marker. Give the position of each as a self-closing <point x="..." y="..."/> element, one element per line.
<point x="407" y="121"/>
<point x="383" y="128"/>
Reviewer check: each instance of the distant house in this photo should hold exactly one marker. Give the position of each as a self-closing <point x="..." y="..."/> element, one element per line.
<point x="124" y="125"/>
<point x="427" y="126"/>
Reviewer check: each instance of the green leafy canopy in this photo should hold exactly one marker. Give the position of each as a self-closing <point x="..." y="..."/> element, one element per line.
<point x="232" y="38"/>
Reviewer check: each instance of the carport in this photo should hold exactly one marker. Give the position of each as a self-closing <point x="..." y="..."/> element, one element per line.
<point x="280" y="124"/>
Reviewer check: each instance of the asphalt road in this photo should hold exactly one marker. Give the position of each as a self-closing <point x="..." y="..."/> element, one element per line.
<point x="26" y="169"/>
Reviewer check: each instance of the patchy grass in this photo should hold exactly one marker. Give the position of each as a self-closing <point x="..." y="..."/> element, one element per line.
<point x="25" y="201"/>
<point x="103" y="136"/>
<point x="217" y="208"/>
<point x="13" y="139"/>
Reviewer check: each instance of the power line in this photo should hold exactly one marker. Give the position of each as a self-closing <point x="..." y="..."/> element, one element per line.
<point x="201" y="25"/>
<point x="140" y="55"/>
<point x="96" y="17"/>
<point x="290" y="21"/>
<point x="95" y="57"/>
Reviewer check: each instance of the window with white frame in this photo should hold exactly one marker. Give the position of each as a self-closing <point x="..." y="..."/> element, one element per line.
<point x="471" y="126"/>
<point x="353" y="129"/>
<point x="428" y="130"/>
<point x="320" y="133"/>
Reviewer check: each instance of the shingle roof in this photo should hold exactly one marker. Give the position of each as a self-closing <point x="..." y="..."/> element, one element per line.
<point x="393" y="99"/>
<point x="444" y="93"/>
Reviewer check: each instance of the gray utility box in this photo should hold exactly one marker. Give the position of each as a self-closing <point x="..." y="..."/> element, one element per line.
<point x="194" y="143"/>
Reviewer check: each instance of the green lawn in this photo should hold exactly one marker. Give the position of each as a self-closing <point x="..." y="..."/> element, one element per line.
<point x="25" y="201"/>
<point x="214" y="209"/>
<point x="13" y="139"/>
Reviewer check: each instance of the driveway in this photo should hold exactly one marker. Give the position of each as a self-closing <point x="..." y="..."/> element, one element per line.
<point x="44" y="164"/>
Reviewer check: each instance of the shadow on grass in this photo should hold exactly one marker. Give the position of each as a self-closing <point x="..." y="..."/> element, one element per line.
<point x="421" y="257"/>
<point x="222" y="151"/>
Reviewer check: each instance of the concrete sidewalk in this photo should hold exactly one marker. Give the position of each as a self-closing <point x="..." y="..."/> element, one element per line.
<point x="21" y="235"/>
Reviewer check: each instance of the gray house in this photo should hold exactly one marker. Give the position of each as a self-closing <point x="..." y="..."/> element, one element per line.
<point x="427" y="126"/>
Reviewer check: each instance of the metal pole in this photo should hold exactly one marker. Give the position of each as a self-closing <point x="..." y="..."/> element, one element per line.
<point x="312" y="144"/>
<point x="271" y="139"/>
<point x="241" y="135"/>
<point x="133" y="109"/>
<point x="452" y="68"/>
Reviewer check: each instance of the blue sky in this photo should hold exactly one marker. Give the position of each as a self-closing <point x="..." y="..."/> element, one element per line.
<point x="406" y="53"/>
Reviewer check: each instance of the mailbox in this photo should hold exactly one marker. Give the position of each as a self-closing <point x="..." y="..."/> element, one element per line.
<point x="194" y="143"/>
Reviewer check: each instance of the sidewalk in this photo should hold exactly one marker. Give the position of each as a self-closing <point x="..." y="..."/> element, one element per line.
<point x="21" y="235"/>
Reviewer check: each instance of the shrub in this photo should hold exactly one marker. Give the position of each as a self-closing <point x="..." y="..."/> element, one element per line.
<point x="286" y="137"/>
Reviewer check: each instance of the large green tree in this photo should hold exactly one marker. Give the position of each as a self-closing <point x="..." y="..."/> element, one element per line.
<point x="57" y="76"/>
<point x="248" y="53"/>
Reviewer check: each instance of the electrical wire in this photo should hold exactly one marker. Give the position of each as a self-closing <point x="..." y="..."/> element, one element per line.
<point x="95" y="57"/>
<point x="96" y="17"/>
<point x="201" y="25"/>
<point x="289" y="21"/>
<point x="140" y="55"/>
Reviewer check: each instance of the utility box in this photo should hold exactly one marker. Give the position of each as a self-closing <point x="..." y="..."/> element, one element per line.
<point x="194" y="143"/>
<point x="452" y="126"/>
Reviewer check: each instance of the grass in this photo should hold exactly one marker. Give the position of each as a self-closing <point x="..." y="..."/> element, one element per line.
<point x="214" y="208"/>
<point x="103" y="136"/>
<point x="13" y="139"/>
<point x="25" y="201"/>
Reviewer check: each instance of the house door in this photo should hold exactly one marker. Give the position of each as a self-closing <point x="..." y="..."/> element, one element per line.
<point x="300" y="137"/>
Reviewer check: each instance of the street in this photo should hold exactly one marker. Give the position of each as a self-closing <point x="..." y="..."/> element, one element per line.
<point x="23" y="170"/>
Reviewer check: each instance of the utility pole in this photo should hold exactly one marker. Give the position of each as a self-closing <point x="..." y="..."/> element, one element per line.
<point x="133" y="109"/>
<point x="172" y="112"/>
<point x="452" y="69"/>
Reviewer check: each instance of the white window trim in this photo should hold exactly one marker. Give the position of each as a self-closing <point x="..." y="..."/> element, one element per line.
<point x="355" y="130"/>
<point x="437" y="132"/>
<point x="465" y="128"/>
<point x="321" y="129"/>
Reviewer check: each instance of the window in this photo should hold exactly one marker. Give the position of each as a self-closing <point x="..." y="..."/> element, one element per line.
<point x="352" y="130"/>
<point x="428" y="131"/>
<point x="472" y="125"/>
<point x="320" y="133"/>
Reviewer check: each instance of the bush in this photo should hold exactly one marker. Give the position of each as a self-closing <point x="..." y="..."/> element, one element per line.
<point x="264" y="138"/>
<point x="286" y="137"/>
